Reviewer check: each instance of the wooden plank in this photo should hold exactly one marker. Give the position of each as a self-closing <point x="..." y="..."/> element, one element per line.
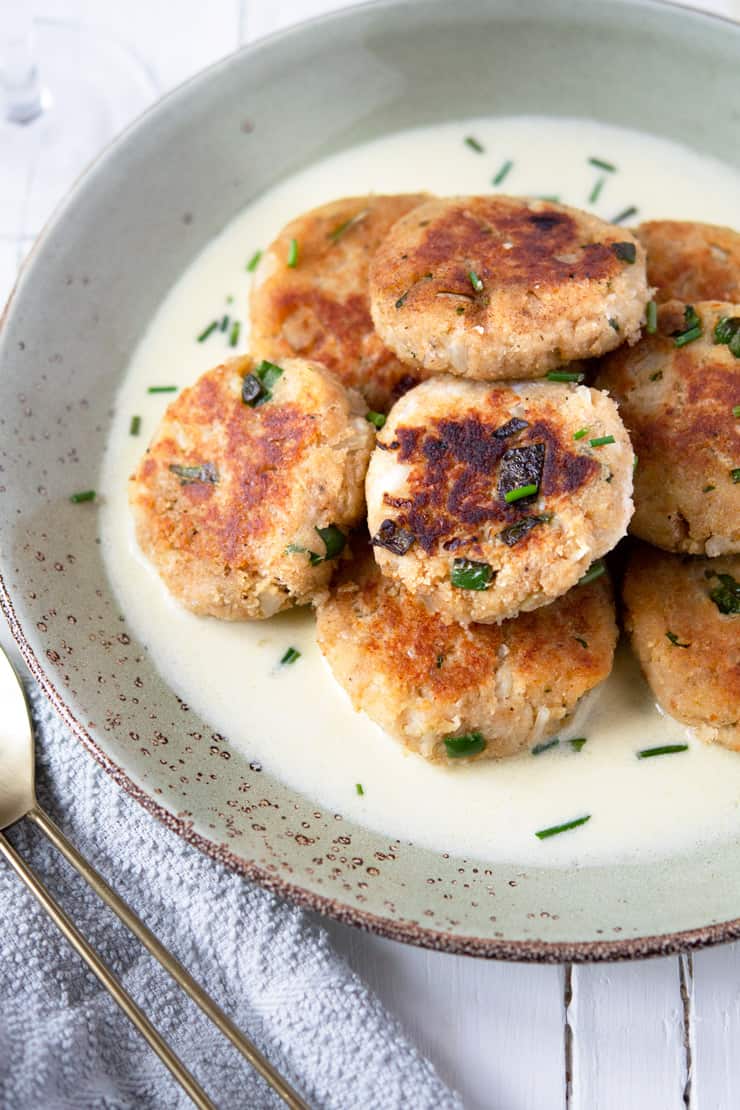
<point x="628" y="1044"/>
<point x="716" y="1069"/>
<point x="494" y="1031"/>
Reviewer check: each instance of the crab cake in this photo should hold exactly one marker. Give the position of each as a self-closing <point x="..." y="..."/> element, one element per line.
<point x="679" y="401"/>
<point x="319" y="308"/>
<point x="491" y="690"/>
<point x="691" y="261"/>
<point x="253" y="476"/>
<point x="484" y="500"/>
<point x="503" y="287"/>
<point x="683" y="615"/>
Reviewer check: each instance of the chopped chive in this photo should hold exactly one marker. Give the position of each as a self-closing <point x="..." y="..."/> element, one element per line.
<point x="234" y="333"/>
<point x="577" y="743"/>
<point x="675" y="640"/>
<point x="359" y="788"/>
<point x="580" y="433"/>
<point x="726" y="596"/>
<point x="651" y="318"/>
<point x="229" y="299"/>
<point x="503" y="172"/>
<point x="596" y="191"/>
<point x="625" y="252"/>
<point x="543" y="834"/>
<point x="334" y="541"/>
<point x="85" y="495"/>
<point x="736" y="411"/>
<point x="552" y="197"/>
<point x="224" y="323"/>
<point x="290" y="656"/>
<point x="580" y="640"/>
<point x="602" y="165"/>
<point x="634" y="463"/>
<point x="475" y="281"/>
<point x="614" y="323"/>
<point x="207" y="331"/>
<point x="134" y="426"/>
<point x="735" y="475"/>
<point x="375" y="418"/>
<point x="708" y="489"/>
<point x="594" y="571"/>
<point x="474" y="144"/>
<point x="512" y="534"/>
<point x="292" y="259"/>
<point x="657" y="376"/>
<point x="545" y="746"/>
<point x="440" y="661"/>
<point x="207" y="472"/>
<point x="162" y="389"/>
<point x="394" y="538"/>
<point x="601" y="441"/>
<point x="688" y="336"/>
<point x="522" y="491"/>
<point x="254" y="262"/>
<point x="727" y="330"/>
<point x="470" y="743"/>
<point x="466" y="574"/>
<point x="664" y="749"/>
<point x="625" y="215"/>
<point x="565" y="376"/>
<point x="339" y="231"/>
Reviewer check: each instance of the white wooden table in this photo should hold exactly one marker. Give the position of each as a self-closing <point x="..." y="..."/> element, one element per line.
<point x="656" y="1035"/>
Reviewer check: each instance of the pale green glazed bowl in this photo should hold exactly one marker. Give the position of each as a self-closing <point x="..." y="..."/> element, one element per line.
<point x="113" y="250"/>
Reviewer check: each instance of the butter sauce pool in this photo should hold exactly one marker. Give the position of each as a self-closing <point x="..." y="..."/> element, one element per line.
<point x="294" y="718"/>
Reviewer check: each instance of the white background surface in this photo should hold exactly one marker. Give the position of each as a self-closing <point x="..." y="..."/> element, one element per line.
<point x="655" y="1035"/>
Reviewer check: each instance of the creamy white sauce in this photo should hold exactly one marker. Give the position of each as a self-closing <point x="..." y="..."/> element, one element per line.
<point x="295" y="719"/>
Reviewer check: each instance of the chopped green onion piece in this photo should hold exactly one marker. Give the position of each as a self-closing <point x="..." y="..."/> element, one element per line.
<point x="657" y="376"/>
<point x="290" y="656"/>
<point x="440" y="661"/>
<point x="726" y="596"/>
<point x="135" y="426"/>
<point x="736" y="411"/>
<point x="292" y="260"/>
<point x="206" y="472"/>
<point x="207" y="331"/>
<point x="625" y="252"/>
<point x="469" y="575"/>
<point x="634" y="463"/>
<point x="625" y="215"/>
<point x="334" y="540"/>
<point x="651" y="318"/>
<point x="580" y="640"/>
<point x="552" y="197"/>
<point x="503" y="173"/>
<point x="375" y="418"/>
<point x="726" y="330"/>
<point x="577" y="743"/>
<point x="224" y="323"/>
<point x="594" y="571"/>
<point x="596" y="191"/>
<point x="339" y="231"/>
<point x="602" y="441"/>
<point x="688" y="336"/>
<point x="565" y="376"/>
<point x="522" y="491"/>
<point x="473" y="144"/>
<point x="162" y="389"/>
<point x="257" y="387"/>
<point x="602" y="165"/>
<point x="254" y="262"/>
<point x="545" y="746"/>
<point x="708" y="489"/>
<point x="614" y="323"/>
<point x="86" y="495"/>
<point x="735" y="475"/>
<point x="359" y="788"/>
<point x="580" y="433"/>
<point x="664" y="749"/>
<point x="675" y="640"/>
<point x="543" y="834"/>
<point x="234" y="334"/>
<point x="475" y="281"/>
<point x="470" y="743"/>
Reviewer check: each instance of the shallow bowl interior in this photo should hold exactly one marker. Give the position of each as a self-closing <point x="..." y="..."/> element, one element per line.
<point x="87" y="292"/>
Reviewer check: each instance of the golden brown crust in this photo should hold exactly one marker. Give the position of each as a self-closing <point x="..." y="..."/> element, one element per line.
<point x="691" y="261"/>
<point x="320" y="308"/>
<point x="493" y="286"/>
<point x="677" y="403"/>
<point x="699" y="683"/>
<point x="422" y="679"/>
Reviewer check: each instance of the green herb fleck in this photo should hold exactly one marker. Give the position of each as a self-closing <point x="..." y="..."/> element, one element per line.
<point x="692" y="327"/>
<point x="234" y="334"/>
<point x="503" y="173"/>
<point x="651" y="318"/>
<point x="626" y="214"/>
<point x="657" y="376"/>
<point x="726" y="596"/>
<point x="521" y="491"/>
<point x="85" y="495"/>
<point x="687" y="337"/>
<point x="735" y="475"/>
<point x="254" y="262"/>
<point x="736" y="411"/>
<point x="359" y="788"/>
<point x="581" y="433"/>
<point x="594" y="571"/>
<point x="475" y="281"/>
<point x="257" y="387"/>
<point x="664" y="749"/>
<point x="207" y="331"/>
<point x="290" y="656"/>
<point x="545" y="746"/>
<point x="543" y="834"/>
<point x="339" y="231"/>
<point x="206" y="472"/>
<point x="440" y="661"/>
<point x="334" y="541"/>
<point x="727" y="330"/>
<point x="470" y="743"/>
<point x="292" y="259"/>
<point x="602" y="165"/>
<point x="708" y="489"/>
<point x="675" y="640"/>
<point x="580" y="640"/>
<point x="162" y="389"/>
<point x="474" y="144"/>
<point x="565" y="376"/>
<point x="466" y="574"/>
<point x="595" y="193"/>
<point x="614" y="324"/>
<point x="134" y="426"/>
<point x="375" y="418"/>
<point x="577" y="743"/>
<point x="224" y="323"/>
<point x="625" y="252"/>
<point x="602" y="441"/>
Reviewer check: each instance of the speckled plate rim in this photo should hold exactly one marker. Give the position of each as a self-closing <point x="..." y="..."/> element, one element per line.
<point x="524" y="951"/>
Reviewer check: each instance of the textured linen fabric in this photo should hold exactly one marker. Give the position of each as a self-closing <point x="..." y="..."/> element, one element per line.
<point x="63" y="1041"/>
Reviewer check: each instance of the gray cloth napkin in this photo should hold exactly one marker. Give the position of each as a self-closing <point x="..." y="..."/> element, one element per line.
<point x="64" y="1043"/>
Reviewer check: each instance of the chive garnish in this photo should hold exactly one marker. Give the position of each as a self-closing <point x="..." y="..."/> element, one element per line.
<point x="290" y="656"/>
<point x="736" y="411"/>
<point x="470" y="743"/>
<point x="675" y="640"/>
<point x="692" y="327"/>
<point x="553" y="198"/>
<point x="727" y="330"/>
<point x="254" y="262"/>
<point x="577" y="743"/>
<point x="664" y="749"/>
<point x="467" y="574"/>
<point x="651" y="318"/>
<point x="735" y="475"/>
<point x="708" y="489"/>
<point x="135" y="426"/>
<point x="292" y="259"/>
<point x="339" y="231"/>
<point x="394" y="538"/>
<point x="602" y="165"/>
<point x="614" y="323"/>
<point x="224" y="323"/>
<point x="206" y="472"/>
<point x="522" y="491"/>
<point x="234" y="334"/>
<point x="475" y="281"/>
<point x="580" y="640"/>
<point x="687" y="337"/>
<point x="503" y="173"/>
<point x="85" y="495"/>
<point x="565" y="376"/>
<point x="594" y="571"/>
<point x="440" y="661"/>
<point x="257" y="387"/>
<point x="375" y="418"/>
<point x="596" y="191"/>
<point x="601" y="441"/>
<point x="207" y="331"/>
<point x="625" y="215"/>
<point x="516" y="532"/>
<point x="580" y="433"/>
<point x="474" y="144"/>
<point x="162" y="389"/>
<point x="334" y="541"/>
<point x="543" y="834"/>
<point x="657" y="376"/>
<point x="726" y="596"/>
<point x="625" y="252"/>
<point x="545" y="746"/>
<point x="359" y="788"/>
